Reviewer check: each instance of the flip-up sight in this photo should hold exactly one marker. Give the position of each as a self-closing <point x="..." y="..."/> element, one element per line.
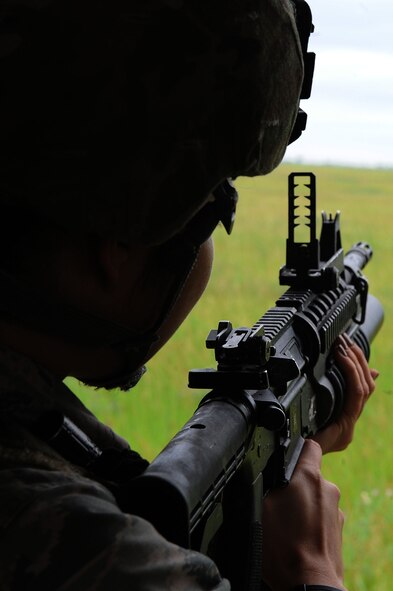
<point x="312" y="263"/>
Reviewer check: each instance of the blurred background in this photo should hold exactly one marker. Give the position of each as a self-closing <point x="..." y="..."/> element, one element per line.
<point x="350" y="110"/>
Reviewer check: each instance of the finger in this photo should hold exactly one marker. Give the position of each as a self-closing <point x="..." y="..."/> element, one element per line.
<point x="358" y="389"/>
<point x="367" y="375"/>
<point x="361" y="365"/>
<point x="311" y="455"/>
<point x="374" y="373"/>
<point x="364" y="366"/>
<point x="357" y="351"/>
<point x="328" y="438"/>
<point x="334" y="491"/>
<point x="363" y="372"/>
<point x="341" y="518"/>
<point x="355" y="388"/>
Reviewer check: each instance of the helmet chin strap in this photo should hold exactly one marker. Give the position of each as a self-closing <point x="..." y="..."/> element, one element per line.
<point x="122" y="381"/>
<point x="221" y="207"/>
<point x="32" y="308"/>
<point x="127" y="379"/>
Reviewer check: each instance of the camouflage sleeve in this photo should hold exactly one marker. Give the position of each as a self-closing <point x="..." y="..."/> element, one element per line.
<point x="68" y="534"/>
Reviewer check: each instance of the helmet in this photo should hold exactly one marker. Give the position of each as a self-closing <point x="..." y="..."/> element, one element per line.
<point x="120" y="117"/>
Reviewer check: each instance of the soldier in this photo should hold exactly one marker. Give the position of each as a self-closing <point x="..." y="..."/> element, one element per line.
<point x="119" y="120"/>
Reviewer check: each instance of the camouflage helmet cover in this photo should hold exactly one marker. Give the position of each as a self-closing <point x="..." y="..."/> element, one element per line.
<point x="121" y="116"/>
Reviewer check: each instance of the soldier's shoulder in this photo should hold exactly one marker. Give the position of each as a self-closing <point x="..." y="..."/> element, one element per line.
<point x="60" y="526"/>
<point x="47" y="522"/>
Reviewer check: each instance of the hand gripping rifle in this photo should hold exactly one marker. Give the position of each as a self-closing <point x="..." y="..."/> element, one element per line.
<point x="276" y="383"/>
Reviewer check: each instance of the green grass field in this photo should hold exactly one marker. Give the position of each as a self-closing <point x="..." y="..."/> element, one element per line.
<point x="243" y="285"/>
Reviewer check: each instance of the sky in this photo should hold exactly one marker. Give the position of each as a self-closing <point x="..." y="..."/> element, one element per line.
<point x="350" y="112"/>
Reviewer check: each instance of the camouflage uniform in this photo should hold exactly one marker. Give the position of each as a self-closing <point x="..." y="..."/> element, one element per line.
<point x="61" y="529"/>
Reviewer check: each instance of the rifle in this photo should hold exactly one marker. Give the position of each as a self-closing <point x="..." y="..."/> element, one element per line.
<point x="275" y="384"/>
